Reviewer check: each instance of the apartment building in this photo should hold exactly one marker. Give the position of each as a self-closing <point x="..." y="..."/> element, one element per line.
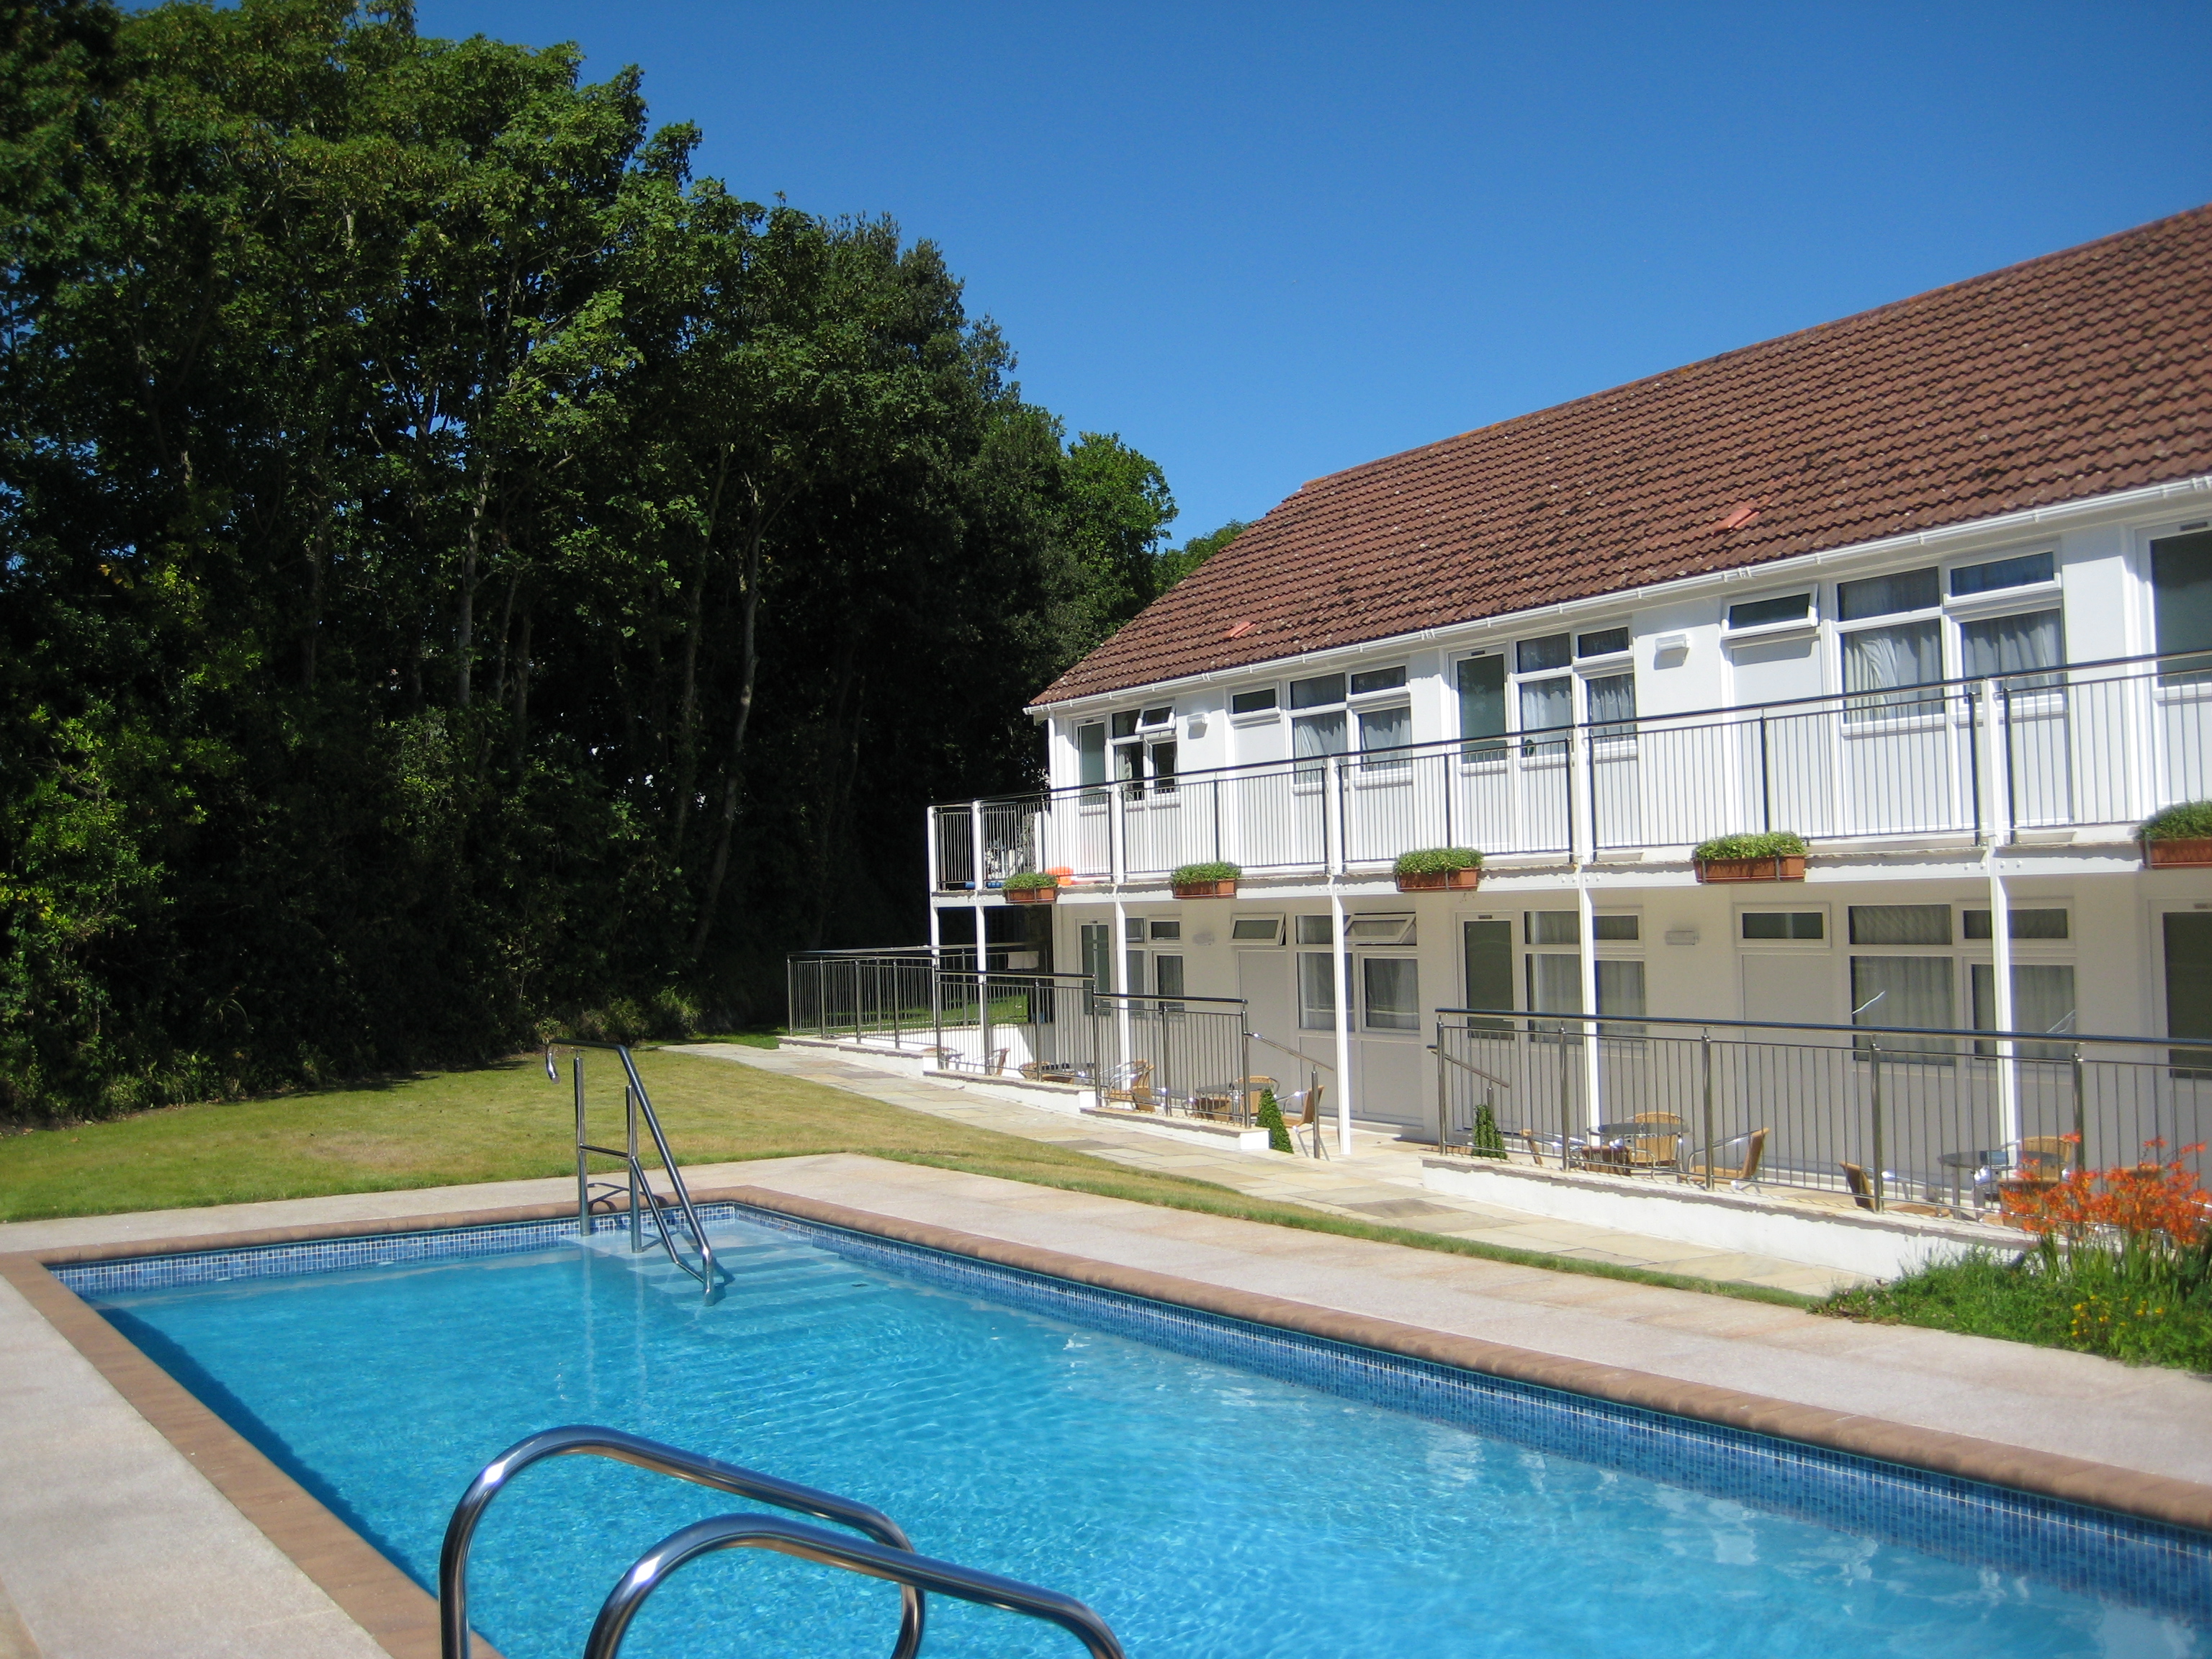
<point x="1930" y="586"/>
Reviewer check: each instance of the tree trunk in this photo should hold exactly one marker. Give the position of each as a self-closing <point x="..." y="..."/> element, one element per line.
<point x="749" y="659"/>
<point x="522" y="694"/>
<point x="465" y="633"/>
<point x="687" y="742"/>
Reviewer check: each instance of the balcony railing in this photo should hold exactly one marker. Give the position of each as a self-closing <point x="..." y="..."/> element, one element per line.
<point x="2083" y="745"/>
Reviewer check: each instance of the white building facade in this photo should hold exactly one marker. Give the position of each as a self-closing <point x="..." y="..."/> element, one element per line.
<point x="1966" y="720"/>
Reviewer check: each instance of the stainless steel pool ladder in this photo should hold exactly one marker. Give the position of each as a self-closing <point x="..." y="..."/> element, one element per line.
<point x="643" y="1199"/>
<point x="883" y="1553"/>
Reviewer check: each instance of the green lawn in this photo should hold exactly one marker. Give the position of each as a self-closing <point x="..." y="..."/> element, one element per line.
<point x="508" y="1122"/>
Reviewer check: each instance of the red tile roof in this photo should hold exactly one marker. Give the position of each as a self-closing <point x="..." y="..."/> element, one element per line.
<point x="2073" y="375"/>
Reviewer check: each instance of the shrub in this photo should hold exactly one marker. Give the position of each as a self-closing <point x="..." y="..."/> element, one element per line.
<point x="1488" y="1141"/>
<point x="2192" y="820"/>
<point x="1197" y="873"/>
<point x="1271" y="1120"/>
<point x="1435" y="860"/>
<point x="1028" y="882"/>
<point x="1765" y="844"/>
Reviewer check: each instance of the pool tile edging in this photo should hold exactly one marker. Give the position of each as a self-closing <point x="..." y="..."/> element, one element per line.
<point x="2049" y="1474"/>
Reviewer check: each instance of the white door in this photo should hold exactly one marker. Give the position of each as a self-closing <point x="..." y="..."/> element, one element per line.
<point x="1263" y="979"/>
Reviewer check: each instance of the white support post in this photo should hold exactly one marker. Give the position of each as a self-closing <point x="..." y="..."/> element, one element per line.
<point x="1586" y="925"/>
<point x="929" y="845"/>
<point x="2000" y="973"/>
<point x="1342" y="957"/>
<point x="1119" y="963"/>
<point x="1997" y="744"/>
<point x="1332" y="859"/>
<point x="976" y="834"/>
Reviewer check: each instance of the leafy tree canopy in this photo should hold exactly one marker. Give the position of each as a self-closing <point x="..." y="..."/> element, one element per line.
<point x="1177" y="562"/>
<point x="458" y="570"/>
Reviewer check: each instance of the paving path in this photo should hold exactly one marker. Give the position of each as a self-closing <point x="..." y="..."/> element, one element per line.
<point x="1381" y="1182"/>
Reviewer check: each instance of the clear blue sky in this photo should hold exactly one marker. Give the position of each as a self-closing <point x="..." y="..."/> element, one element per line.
<point x="1264" y="242"/>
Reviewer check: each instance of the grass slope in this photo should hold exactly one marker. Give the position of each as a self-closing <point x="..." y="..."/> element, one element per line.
<point x="508" y="1122"/>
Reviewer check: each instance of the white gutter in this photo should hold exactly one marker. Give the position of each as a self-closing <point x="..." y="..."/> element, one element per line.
<point x="2003" y="525"/>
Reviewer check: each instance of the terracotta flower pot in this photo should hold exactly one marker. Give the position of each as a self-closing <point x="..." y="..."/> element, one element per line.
<point x="1198" y="889"/>
<point x="1437" y="881"/>
<point x="1784" y="866"/>
<point x="2177" y="852"/>
<point x="1032" y="895"/>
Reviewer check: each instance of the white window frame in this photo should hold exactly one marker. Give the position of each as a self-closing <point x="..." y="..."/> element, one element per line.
<point x="1273" y="944"/>
<point x="1827" y="941"/>
<point x="1787" y="628"/>
<point x="1271" y="716"/>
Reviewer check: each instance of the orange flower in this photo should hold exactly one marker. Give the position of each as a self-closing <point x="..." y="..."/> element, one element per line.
<point x="2153" y="1203"/>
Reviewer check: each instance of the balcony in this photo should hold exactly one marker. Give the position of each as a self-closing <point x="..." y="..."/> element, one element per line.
<point x="2095" y="746"/>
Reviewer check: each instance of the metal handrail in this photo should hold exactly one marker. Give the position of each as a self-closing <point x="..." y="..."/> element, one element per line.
<point x="1739" y="712"/>
<point x="1310" y="1060"/>
<point x="900" y="1566"/>
<point x="2054" y="1038"/>
<point x="635" y="1100"/>
<point x="1438" y="1050"/>
<point x="584" y="1438"/>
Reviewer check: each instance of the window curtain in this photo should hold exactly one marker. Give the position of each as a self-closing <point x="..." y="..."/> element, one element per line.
<point x="1316" y="990"/>
<point x="1316" y="735"/>
<point x="1620" y="998"/>
<point x="1885" y="660"/>
<point x="1612" y="704"/>
<point x="2002" y="645"/>
<point x="1555" y="984"/>
<point x="1392" y="992"/>
<point x="1386" y="728"/>
<point x="2042" y="1001"/>
<point x="1909" y="991"/>
<point x="1901" y="924"/>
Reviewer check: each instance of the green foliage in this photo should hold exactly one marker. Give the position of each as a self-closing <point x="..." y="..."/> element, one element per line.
<point x="2145" y="1309"/>
<point x="1488" y="1140"/>
<point x="460" y="574"/>
<point x="1270" y="1117"/>
<point x="1217" y="871"/>
<point x="2190" y="820"/>
<point x="1029" y="881"/>
<point x="1767" y="844"/>
<point x="1177" y="562"/>
<point x="1437" y="860"/>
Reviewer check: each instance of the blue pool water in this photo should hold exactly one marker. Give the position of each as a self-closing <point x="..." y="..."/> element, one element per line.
<point x="1204" y="1507"/>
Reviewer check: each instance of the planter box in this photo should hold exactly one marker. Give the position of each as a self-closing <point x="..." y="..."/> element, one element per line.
<point x="1786" y="866"/>
<point x="1031" y="895"/>
<point x="2177" y="852"/>
<point x="1198" y="889"/>
<point x="1437" y="881"/>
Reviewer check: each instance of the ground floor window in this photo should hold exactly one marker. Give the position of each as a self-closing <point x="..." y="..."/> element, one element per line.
<point x="1391" y="994"/>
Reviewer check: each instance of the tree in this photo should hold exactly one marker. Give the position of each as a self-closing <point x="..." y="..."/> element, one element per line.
<point x="1177" y="562"/>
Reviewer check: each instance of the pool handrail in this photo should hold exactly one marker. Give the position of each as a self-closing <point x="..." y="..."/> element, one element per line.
<point x="635" y="1101"/>
<point x="591" y="1440"/>
<point x="913" y="1573"/>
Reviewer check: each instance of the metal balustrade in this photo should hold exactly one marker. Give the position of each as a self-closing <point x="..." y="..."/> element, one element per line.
<point x="2084" y="745"/>
<point x="1934" y="1117"/>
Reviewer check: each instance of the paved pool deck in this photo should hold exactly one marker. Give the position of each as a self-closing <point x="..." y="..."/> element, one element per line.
<point x="129" y="1526"/>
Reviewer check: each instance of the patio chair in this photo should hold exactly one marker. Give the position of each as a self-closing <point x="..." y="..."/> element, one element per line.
<point x="1302" y="1110"/>
<point x="2042" y="1157"/>
<point x="1533" y="1141"/>
<point x="1862" y="1192"/>
<point x="1741" y="1175"/>
<point x="1661" y="1149"/>
<point x="1130" y="1084"/>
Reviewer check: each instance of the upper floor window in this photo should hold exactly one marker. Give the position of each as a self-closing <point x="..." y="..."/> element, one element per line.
<point x="1144" y="748"/>
<point x="1903" y="650"/>
<point x="2181" y="587"/>
<point x="1481" y="704"/>
<point x="1259" y="701"/>
<point x="1324" y="708"/>
<point x="1548" y="670"/>
<point x="2023" y="570"/>
<point x="1777" y="612"/>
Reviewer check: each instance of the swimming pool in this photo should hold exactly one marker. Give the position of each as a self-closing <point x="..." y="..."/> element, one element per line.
<point x="1211" y="1488"/>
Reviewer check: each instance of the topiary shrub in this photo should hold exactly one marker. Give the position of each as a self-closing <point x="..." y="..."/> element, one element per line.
<point x="1437" y="860"/>
<point x="1766" y="844"/>
<point x="1279" y="1132"/>
<point x="2190" y="821"/>
<point x="1488" y="1141"/>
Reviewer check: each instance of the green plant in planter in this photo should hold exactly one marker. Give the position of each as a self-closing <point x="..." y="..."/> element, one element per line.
<point x="1767" y="844"/>
<point x="1439" y="860"/>
<point x="1488" y="1141"/>
<point x="1193" y="873"/>
<point x="1029" y="881"/>
<point x="1279" y="1132"/>
<point x="2190" y="821"/>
